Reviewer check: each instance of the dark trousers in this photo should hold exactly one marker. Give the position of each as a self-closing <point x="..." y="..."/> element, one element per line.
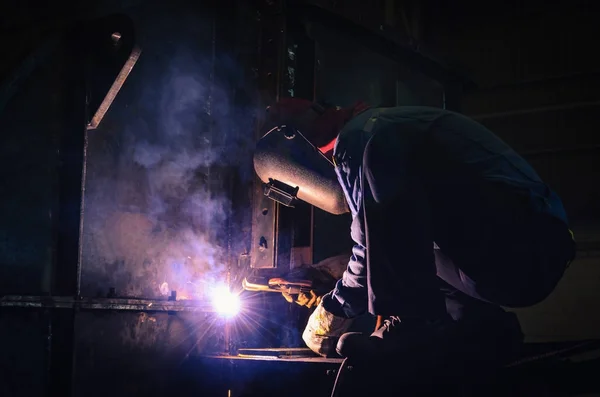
<point x="492" y="245"/>
<point x="498" y="249"/>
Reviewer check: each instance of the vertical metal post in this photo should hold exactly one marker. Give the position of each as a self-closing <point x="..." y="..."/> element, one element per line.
<point x="265" y="211"/>
<point x="73" y="145"/>
<point x="66" y="272"/>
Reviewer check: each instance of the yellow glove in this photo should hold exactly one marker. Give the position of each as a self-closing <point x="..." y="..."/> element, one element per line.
<point x="308" y="300"/>
<point x="324" y="330"/>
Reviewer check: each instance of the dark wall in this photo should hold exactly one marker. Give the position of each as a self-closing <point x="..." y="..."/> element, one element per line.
<point x="538" y="78"/>
<point x="539" y="81"/>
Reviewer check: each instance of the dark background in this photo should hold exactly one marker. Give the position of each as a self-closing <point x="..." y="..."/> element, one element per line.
<point x="532" y="76"/>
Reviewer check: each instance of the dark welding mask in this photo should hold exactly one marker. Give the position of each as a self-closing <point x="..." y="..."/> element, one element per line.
<point x="292" y="168"/>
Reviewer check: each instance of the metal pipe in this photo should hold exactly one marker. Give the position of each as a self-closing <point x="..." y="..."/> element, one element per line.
<point x="540" y="81"/>
<point x="541" y="109"/>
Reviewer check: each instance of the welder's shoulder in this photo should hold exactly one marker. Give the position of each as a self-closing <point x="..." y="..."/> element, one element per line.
<point x="353" y="138"/>
<point x="378" y="118"/>
<point x="357" y="132"/>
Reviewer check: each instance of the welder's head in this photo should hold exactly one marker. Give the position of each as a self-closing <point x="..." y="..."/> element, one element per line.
<point x="319" y="123"/>
<point x="294" y="157"/>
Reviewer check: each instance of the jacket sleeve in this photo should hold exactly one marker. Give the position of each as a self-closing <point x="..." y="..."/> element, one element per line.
<point x="381" y="188"/>
<point x="349" y="297"/>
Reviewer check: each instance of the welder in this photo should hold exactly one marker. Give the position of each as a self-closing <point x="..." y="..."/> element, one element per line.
<point x="450" y="225"/>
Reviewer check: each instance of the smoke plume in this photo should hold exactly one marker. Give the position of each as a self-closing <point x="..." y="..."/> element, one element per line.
<point x="158" y="192"/>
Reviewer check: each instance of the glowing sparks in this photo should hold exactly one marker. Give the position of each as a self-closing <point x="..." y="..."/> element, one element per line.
<point x="225" y="302"/>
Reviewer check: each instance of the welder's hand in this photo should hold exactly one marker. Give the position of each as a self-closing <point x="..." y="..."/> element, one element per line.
<point x="309" y="300"/>
<point x="324" y="330"/>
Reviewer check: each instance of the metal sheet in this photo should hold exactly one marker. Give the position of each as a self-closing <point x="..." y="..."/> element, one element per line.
<point x="287" y="353"/>
<point x="309" y="360"/>
<point x="157" y="194"/>
<point x="30" y="156"/>
<point x="139" y="354"/>
<point x="24" y="359"/>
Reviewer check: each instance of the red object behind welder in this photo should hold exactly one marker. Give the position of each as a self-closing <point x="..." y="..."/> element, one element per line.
<point x="319" y="125"/>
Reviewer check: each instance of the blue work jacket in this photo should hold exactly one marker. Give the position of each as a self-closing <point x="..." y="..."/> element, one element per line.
<point x="462" y="139"/>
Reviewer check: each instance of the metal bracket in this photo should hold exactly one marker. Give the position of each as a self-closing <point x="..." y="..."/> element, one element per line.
<point x="114" y="88"/>
<point x="281" y="192"/>
<point x="114" y="55"/>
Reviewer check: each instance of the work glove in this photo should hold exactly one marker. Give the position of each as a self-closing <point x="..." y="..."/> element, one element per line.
<point x="324" y="330"/>
<point x="306" y="286"/>
<point x="308" y="299"/>
<point x="323" y="276"/>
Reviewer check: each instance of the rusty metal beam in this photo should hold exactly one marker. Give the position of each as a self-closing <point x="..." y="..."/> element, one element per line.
<point x="120" y="304"/>
<point x="115" y="88"/>
<point x="115" y="52"/>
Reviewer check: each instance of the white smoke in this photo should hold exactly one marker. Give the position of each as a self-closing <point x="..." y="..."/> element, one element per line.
<point x="160" y="223"/>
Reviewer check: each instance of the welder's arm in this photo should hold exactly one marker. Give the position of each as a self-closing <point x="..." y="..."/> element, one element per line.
<point x="391" y="220"/>
<point x="349" y="297"/>
<point x="338" y="308"/>
<point x="397" y="225"/>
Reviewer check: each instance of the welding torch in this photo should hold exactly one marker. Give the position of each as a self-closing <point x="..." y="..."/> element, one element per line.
<point x="303" y="288"/>
<point x="276" y="284"/>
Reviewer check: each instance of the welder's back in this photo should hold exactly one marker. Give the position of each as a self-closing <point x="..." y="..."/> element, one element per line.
<point x="456" y="149"/>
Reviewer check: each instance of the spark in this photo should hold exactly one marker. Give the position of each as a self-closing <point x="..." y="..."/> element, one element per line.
<point x="225" y="302"/>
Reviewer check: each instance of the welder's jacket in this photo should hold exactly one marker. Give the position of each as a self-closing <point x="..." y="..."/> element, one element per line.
<point x="458" y="139"/>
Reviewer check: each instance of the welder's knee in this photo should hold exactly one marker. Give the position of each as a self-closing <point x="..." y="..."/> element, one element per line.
<point x="351" y="342"/>
<point x="534" y="277"/>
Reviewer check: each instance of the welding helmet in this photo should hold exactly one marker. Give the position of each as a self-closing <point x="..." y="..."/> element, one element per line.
<point x="293" y="168"/>
<point x="319" y="122"/>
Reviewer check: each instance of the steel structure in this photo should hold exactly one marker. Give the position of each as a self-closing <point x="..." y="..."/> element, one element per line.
<point x="281" y="57"/>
